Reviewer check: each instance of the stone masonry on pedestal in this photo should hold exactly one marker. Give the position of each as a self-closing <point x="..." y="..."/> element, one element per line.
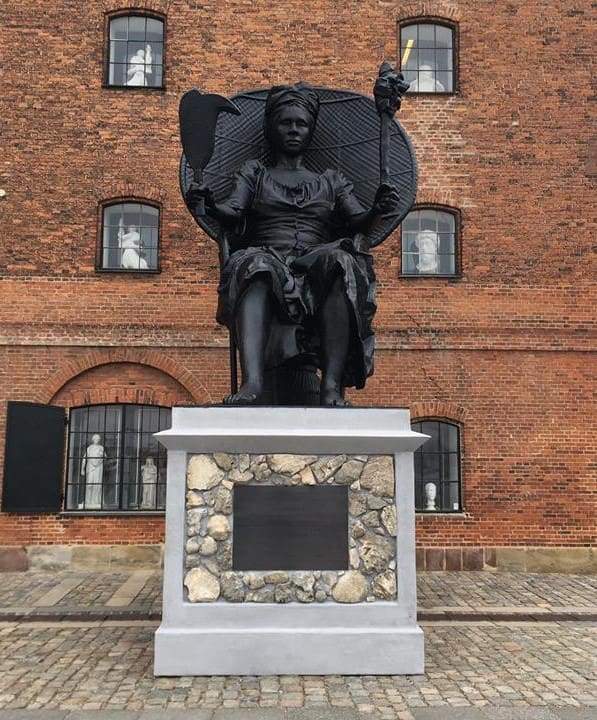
<point x="371" y="527"/>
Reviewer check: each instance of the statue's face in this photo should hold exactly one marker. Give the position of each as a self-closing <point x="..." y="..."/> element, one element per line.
<point x="290" y="130"/>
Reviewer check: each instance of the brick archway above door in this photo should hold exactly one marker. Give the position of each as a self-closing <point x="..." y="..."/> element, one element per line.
<point x="124" y="376"/>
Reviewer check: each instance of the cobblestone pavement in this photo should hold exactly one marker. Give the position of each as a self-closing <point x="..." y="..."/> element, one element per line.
<point x="483" y="667"/>
<point x="460" y="595"/>
<point x="483" y="589"/>
<point x="501" y="667"/>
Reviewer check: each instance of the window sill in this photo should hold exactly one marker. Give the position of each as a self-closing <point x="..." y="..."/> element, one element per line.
<point x="112" y="513"/>
<point x="429" y="276"/>
<point x="443" y="513"/>
<point x="444" y="94"/>
<point x="137" y="88"/>
<point x="126" y="271"/>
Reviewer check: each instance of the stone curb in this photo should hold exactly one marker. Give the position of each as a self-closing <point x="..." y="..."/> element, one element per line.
<point x="430" y="615"/>
<point x="527" y="615"/>
<point x="435" y="713"/>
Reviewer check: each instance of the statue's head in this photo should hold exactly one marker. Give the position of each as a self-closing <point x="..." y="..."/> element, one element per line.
<point x="298" y="103"/>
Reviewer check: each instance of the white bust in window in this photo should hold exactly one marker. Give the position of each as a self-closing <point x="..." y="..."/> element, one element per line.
<point x="430" y="495"/>
<point x="130" y="244"/>
<point x="139" y="67"/>
<point x="427" y="242"/>
<point x="92" y="469"/>
<point x="425" y="81"/>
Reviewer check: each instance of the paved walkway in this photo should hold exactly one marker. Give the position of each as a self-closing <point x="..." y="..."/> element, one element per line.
<point x="441" y="596"/>
<point x="77" y="646"/>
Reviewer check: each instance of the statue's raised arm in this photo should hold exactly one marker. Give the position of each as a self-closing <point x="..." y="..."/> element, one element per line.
<point x="292" y="189"/>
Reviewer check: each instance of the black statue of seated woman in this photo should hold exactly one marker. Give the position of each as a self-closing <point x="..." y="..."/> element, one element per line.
<point x="299" y="283"/>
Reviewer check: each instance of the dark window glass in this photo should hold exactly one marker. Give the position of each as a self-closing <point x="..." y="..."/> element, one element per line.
<point x="136" y="52"/>
<point x="130" y="237"/>
<point x="437" y="467"/>
<point x="426" y="51"/>
<point x="114" y="462"/>
<point x="429" y="243"/>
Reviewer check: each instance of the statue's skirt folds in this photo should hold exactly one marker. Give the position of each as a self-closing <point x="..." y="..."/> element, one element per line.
<point x="300" y="279"/>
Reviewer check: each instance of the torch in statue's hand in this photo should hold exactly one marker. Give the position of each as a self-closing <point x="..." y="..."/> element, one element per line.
<point x="389" y="88"/>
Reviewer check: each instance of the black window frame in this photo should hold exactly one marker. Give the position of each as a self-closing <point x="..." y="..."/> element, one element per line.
<point x="442" y="485"/>
<point x="456" y="216"/>
<point x="132" y="12"/>
<point x="74" y="458"/>
<point x="441" y="22"/>
<point x="106" y="205"/>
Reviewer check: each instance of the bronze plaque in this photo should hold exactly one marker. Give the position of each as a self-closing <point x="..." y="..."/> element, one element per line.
<point x="290" y="528"/>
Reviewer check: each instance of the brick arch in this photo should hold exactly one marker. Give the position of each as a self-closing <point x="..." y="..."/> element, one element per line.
<point x="158" y="6"/>
<point x="196" y="390"/>
<point x="438" y="409"/>
<point x="127" y="383"/>
<point x="127" y="190"/>
<point x="429" y="8"/>
<point x="436" y="196"/>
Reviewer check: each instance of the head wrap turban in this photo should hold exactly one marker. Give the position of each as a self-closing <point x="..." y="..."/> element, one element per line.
<point x="299" y="94"/>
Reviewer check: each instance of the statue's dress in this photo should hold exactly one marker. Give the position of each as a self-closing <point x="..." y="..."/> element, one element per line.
<point x="293" y="236"/>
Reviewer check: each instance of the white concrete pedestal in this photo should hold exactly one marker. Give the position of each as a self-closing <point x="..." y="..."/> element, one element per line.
<point x="223" y="638"/>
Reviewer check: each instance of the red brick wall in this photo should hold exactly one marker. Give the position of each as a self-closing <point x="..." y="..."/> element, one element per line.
<point x="509" y="346"/>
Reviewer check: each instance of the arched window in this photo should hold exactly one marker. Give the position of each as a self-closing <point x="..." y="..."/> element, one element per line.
<point x="437" y="467"/>
<point x="427" y="57"/>
<point x="129" y="237"/>
<point x="429" y="242"/>
<point x="114" y="462"/>
<point x="135" y="53"/>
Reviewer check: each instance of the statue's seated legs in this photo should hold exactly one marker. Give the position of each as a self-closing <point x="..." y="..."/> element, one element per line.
<point x="333" y="322"/>
<point x="329" y="270"/>
<point x="253" y="321"/>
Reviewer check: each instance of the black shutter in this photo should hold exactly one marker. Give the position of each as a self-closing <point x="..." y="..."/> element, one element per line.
<point x="33" y="458"/>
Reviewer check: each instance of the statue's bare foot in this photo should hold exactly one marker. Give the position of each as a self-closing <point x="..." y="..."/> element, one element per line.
<point x="248" y="394"/>
<point x="332" y="396"/>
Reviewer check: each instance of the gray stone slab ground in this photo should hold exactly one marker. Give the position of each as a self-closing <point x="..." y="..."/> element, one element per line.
<point x="510" y="590"/>
<point x="101" y="595"/>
